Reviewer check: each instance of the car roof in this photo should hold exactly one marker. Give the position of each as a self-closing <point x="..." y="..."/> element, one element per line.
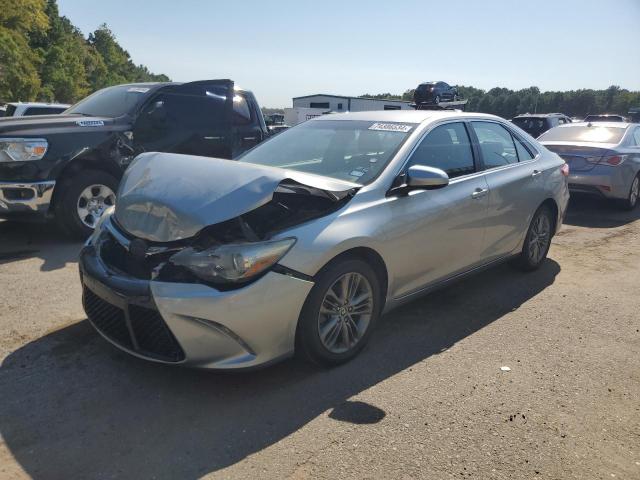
<point x="539" y="115"/>
<point x="409" y="116"/>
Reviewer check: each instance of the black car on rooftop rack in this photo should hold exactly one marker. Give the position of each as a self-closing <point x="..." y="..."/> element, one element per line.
<point x="435" y="92"/>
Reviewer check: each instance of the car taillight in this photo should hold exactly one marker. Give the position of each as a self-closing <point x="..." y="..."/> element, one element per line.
<point x="565" y="169"/>
<point x="613" y="160"/>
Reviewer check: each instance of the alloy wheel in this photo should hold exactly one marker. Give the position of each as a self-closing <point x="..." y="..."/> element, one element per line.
<point x="92" y="203"/>
<point x="635" y="192"/>
<point x="345" y="312"/>
<point x="539" y="238"/>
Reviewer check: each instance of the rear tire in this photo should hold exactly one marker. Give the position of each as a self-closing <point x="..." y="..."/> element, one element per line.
<point x="330" y="331"/>
<point x="537" y="242"/>
<point x="73" y="199"/>
<point x="436" y="100"/>
<point x="632" y="199"/>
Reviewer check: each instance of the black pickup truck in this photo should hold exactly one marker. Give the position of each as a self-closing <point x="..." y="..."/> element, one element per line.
<point x="68" y="166"/>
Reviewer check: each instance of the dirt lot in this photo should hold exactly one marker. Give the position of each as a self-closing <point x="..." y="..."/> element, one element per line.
<point x="427" y="399"/>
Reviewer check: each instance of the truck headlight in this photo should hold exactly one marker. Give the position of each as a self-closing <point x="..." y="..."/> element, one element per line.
<point x="233" y="263"/>
<point x="22" y="149"/>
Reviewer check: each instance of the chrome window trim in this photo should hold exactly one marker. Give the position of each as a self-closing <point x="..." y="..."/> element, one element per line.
<point x="479" y="173"/>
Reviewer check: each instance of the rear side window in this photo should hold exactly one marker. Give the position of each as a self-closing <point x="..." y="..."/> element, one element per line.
<point x="448" y="148"/>
<point x="523" y="152"/>
<point x="43" y="111"/>
<point x="496" y="144"/>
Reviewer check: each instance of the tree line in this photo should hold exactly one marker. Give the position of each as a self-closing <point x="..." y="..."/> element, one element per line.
<point x="509" y="103"/>
<point x="43" y="56"/>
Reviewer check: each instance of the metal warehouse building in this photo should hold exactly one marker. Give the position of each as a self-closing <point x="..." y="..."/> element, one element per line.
<point x="336" y="103"/>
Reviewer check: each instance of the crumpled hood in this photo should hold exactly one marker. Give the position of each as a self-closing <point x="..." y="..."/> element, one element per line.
<point x="166" y="197"/>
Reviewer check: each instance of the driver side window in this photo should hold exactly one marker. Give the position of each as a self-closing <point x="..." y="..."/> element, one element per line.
<point x="448" y="148"/>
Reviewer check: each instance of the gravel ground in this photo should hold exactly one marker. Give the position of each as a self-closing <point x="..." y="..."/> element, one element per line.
<point x="426" y="399"/>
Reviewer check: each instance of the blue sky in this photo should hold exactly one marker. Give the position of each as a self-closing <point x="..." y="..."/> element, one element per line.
<point x="281" y="48"/>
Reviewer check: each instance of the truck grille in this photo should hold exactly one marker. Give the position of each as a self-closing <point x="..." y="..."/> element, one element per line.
<point x="149" y="336"/>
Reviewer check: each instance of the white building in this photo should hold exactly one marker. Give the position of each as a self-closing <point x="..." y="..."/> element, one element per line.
<point x="311" y="106"/>
<point x="337" y="103"/>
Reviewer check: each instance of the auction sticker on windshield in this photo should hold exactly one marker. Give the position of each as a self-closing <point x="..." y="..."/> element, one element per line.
<point x="138" y="89"/>
<point x="391" y="127"/>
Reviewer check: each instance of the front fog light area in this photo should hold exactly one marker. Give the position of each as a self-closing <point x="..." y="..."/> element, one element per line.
<point x="234" y="263"/>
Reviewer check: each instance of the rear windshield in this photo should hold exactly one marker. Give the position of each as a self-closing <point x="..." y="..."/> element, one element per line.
<point x="583" y="133"/>
<point x="351" y="150"/>
<point x="604" y="118"/>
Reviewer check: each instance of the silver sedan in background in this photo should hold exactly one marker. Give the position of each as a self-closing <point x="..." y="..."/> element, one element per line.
<point x="603" y="157"/>
<point x="302" y="243"/>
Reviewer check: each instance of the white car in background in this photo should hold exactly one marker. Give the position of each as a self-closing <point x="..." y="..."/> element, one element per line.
<point x="20" y="109"/>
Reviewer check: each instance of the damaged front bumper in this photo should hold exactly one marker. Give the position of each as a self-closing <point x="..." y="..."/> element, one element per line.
<point x="193" y="324"/>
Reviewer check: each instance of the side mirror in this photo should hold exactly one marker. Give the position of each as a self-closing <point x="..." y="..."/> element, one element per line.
<point x="420" y="176"/>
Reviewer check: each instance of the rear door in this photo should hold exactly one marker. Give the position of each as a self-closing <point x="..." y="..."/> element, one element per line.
<point x="193" y="118"/>
<point x="515" y="186"/>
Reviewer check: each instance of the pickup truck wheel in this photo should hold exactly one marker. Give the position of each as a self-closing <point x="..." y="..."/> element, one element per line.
<point x="339" y="314"/>
<point x="83" y="201"/>
<point x="436" y="100"/>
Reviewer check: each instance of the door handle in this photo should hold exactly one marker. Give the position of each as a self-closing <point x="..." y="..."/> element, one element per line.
<point x="536" y="173"/>
<point x="479" y="193"/>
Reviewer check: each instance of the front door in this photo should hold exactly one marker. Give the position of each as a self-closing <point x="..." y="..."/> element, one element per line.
<point x="193" y="118"/>
<point x="441" y="231"/>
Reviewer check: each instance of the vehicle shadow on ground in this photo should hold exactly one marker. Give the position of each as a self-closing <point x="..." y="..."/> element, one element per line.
<point x="73" y="406"/>
<point x="592" y="212"/>
<point x="20" y="240"/>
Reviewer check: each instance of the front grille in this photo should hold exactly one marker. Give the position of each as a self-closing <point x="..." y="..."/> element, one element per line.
<point x="107" y="318"/>
<point x="150" y="336"/>
<point x="153" y="335"/>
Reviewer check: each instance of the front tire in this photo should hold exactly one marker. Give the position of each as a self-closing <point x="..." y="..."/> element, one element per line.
<point x="83" y="200"/>
<point x="339" y="314"/>
<point x="537" y="242"/>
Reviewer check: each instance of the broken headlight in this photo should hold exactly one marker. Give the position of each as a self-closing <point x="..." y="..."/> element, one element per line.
<point x="233" y="263"/>
<point x="22" y="149"/>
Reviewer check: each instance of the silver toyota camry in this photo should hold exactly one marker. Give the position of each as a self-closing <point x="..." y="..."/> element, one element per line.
<point x="604" y="158"/>
<point x="301" y="244"/>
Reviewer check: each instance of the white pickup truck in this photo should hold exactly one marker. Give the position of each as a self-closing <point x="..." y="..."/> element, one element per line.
<point x="20" y="109"/>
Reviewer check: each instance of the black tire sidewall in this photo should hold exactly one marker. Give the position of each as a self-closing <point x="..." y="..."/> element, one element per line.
<point x="308" y="343"/>
<point x="525" y="261"/>
<point x="66" y="206"/>
<point x="626" y="204"/>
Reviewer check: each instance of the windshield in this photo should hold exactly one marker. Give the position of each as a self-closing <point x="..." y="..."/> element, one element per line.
<point x="110" y="102"/>
<point x="583" y="133"/>
<point x="351" y="150"/>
